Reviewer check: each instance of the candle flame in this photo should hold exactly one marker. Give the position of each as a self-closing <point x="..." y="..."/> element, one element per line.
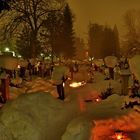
<point x="18" y="66"/>
<point x="119" y="137"/>
<point x="97" y="100"/>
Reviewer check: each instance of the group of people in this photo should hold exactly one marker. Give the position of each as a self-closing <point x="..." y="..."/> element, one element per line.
<point x="38" y="68"/>
<point x="59" y="73"/>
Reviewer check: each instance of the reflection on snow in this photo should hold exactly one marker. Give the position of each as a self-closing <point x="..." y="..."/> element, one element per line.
<point x="105" y="129"/>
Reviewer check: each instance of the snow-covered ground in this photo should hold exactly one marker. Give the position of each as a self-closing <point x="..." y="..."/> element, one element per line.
<point x="41" y="116"/>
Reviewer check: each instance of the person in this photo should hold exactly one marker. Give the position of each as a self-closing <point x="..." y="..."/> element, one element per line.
<point x="29" y="67"/>
<point x="22" y="72"/>
<point x="135" y="86"/>
<point x="116" y="72"/>
<point x="4" y="86"/>
<point x="75" y="67"/>
<point x="58" y="78"/>
<point x="51" y="68"/>
<point x="106" y="71"/>
<point x="71" y="71"/>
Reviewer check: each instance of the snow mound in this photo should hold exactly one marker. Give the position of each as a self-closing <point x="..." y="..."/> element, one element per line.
<point x="103" y="85"/>
<point x="34" y="117"/>
<point x="108" y="108"/>
<point x="78" y="129"/>
<point x="5" y="133"/>
<point x="15" y="92"/>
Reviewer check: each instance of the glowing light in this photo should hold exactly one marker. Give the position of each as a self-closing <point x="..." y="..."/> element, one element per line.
<point x="63" y="84"/>
<point x="97" y="100"/>
<point x="7" y="49"/>
<point x="120" y="136"/>
<point x="18" y="66"/>
<point x="42" y="54"/>
<point x="69" y="78"/>
<point x="77" y="84"/>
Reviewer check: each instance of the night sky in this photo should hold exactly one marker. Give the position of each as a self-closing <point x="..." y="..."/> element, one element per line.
<point x="107" y="12"/>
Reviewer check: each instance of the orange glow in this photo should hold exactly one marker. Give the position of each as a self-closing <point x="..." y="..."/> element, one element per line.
<point x="97" y="100"/>
<point x="18" y="66"/>
<point x="77" y="84"/>
<point x="119" y="136"/>
<point x="82" y="105"/>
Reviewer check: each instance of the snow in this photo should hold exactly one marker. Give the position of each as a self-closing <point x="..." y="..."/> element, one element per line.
<point x="8" y="62"/>
<point x="35" y="113"/>
<point x="35" y="116"/>
<point x="78" y="129"/>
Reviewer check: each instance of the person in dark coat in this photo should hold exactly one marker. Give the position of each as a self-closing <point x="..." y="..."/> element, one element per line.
<point x="59" y="76"/>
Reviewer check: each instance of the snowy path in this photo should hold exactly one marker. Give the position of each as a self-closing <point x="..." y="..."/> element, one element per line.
<point x="74" y="119"/>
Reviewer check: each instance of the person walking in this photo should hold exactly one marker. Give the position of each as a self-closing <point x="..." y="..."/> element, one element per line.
<point x="58" y="78"/>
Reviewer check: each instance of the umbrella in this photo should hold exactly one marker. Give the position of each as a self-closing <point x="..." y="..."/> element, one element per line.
<point x="111" y="61"/>
<point x="8" y="62"/>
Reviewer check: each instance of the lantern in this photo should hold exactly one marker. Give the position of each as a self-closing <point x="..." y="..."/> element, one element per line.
<point x="120" y="135"/>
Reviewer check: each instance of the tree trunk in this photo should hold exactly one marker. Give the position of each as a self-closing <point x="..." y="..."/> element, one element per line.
<point x="33" y="44"/>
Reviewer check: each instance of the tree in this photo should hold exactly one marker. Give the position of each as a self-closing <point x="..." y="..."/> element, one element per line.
<point x="108" y="45"/>
<point x="53" y="25"/>
<point x="132" y="37"/>
<point x="60" y="33"/>
<point x="31" y="13"/>
<point x="131" y="21"/>
<point x="116" y="41"/>
<point x="67" y="34"/>
<point x="103" y="41"/>
<point x="95" y="40"/>
<point x="23" y="44"/>
<point x="80" y="49"/>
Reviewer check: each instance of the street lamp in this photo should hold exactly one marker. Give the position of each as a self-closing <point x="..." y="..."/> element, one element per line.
<point x="42" y="54"/>
<point x="7" y="49"/>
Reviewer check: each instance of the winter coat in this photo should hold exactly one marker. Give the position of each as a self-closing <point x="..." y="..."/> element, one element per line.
<point x="59" y="74"/>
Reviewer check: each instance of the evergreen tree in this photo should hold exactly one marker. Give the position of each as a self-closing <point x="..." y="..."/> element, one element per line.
<point x="60" y="33"/>
<point x="53" y="25"/>
<point x="68" y="33"/>
<point x="103" y="41"/>
<point x="117" y="43"/>
<point x="80" y="49"/>
<point x="108" y="45"/>
<point x="95" y="40"/>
